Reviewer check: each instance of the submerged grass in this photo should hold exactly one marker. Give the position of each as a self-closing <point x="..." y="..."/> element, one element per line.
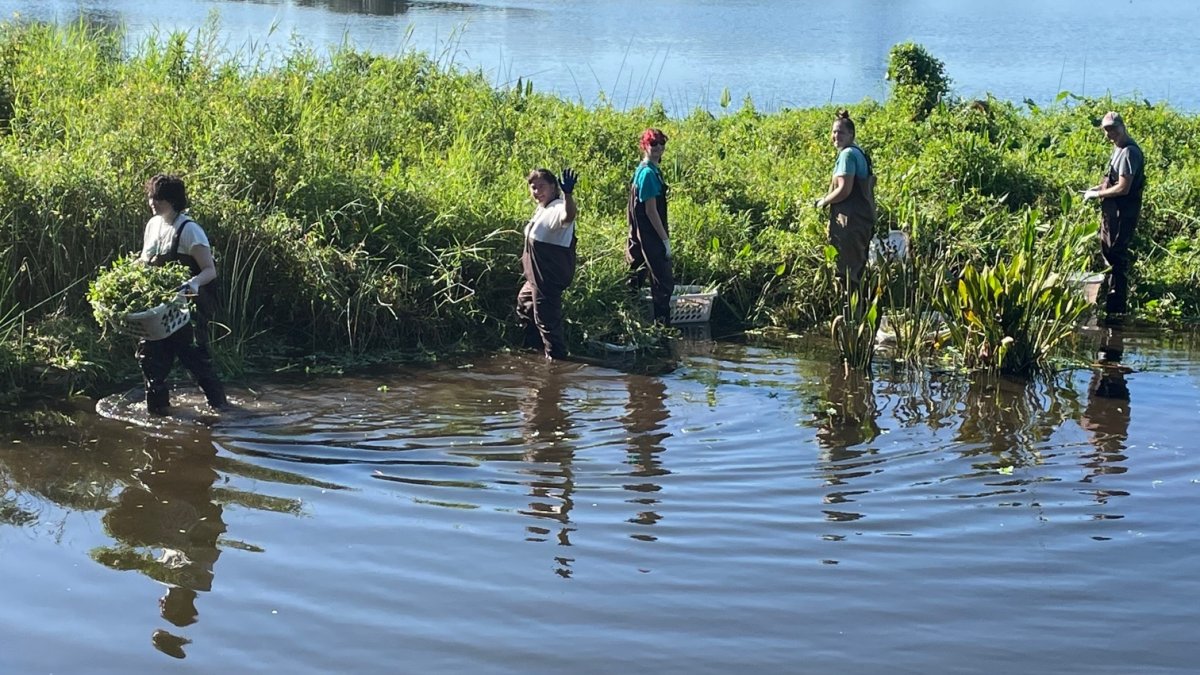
<point x="362" y="204"/>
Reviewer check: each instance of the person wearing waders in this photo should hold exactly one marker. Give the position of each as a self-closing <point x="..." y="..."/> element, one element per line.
<point x="851" y="202"/>
<point x="171" y="235"/>
<point x="548" y="261"/>
<point x="1120" y="195"/>
<point x="648" y="250"/>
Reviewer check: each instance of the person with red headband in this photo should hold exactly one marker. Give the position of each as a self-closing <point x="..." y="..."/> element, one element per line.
<point x="648" y="250"/>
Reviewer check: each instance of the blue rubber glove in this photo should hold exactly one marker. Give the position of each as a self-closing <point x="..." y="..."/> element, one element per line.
<point x="569" y="178"/>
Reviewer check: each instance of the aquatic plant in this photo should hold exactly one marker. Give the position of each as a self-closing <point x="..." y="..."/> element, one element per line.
<point x="853" y="330"/>
<point x="128" y="285"/>
<point x="361" y="204"/>
<point x="1008" y="316"/>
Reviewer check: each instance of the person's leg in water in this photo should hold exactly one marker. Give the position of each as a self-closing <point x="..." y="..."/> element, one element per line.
<point x="1116" y="236"/>
<point x="532" y="337"/>
<point x="193" y="354"/>
<point x="155" y="358"/>
<point x="548" y="317"/>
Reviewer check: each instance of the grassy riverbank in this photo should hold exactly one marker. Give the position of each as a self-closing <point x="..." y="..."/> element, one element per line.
<point x="362" y="205"/>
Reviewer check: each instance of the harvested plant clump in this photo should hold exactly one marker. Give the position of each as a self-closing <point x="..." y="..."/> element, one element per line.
<point x="129" y="286"/>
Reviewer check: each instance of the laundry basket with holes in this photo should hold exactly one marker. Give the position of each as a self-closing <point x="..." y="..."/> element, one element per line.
<point x="690" y="304"/>
<point x="158" y="323"/>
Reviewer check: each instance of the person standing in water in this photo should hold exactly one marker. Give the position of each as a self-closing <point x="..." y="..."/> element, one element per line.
<point x="851" y="202"/>
<point x="172" y="236"/>
<point x="548" y="261"/>
<point x="648" y="250"/>
<point x="1120" y="195"/>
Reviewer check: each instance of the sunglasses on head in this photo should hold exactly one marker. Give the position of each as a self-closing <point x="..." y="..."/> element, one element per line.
<point x="655" y="144"/>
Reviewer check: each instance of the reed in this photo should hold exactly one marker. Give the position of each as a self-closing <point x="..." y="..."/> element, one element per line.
<point x="373" y="203"/>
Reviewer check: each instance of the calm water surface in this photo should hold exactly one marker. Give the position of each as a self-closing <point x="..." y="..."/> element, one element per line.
<point x="752" y="511"/>
<point x="686" y="52"/>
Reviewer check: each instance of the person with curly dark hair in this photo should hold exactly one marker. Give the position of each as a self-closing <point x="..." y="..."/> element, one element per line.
<point x="172" y="236"/>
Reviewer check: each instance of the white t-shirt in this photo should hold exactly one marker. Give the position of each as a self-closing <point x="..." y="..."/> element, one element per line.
<point x="549" y="224"/>
<point x="159" y="234"/>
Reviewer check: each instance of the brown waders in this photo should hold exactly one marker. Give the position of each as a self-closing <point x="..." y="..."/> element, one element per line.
<point x="851" y="226"/>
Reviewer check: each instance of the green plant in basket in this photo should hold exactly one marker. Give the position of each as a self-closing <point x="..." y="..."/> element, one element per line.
<point x="130" y="286"/>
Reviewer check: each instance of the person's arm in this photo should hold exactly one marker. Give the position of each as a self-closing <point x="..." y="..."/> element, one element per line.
<point x="569" y="207"/>
<point x="655" y="221"/>
<point x="1124" y="183"/>
<point x="144" y="256"/>
<point x="843" y="179"/>
<point x="842" y="185"/>
<point x="208" y="267"/>
<point x="569" y="178"/>
<point x="1127" y="162"/>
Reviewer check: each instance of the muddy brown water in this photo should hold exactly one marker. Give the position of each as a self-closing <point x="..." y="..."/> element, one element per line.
<point x="754" y="510"/>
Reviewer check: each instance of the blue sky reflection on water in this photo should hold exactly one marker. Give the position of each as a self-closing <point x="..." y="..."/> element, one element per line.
<point x="686" y="52"/>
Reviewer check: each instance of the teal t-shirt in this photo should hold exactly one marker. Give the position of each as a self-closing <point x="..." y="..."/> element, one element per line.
<point x="649" y="182"/>
<point x="851" y="162"/>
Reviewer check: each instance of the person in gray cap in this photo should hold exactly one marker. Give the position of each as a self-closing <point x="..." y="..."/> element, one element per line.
<point x="1120" y="195"/>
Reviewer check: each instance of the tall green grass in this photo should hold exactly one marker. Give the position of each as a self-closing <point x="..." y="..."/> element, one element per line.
<point x="362" y="204"/>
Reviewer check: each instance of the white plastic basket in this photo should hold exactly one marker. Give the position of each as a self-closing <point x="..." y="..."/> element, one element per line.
<point x="157" y="323"/>
<point x="893" y="248"/>
<point x="1087" y="284"/>
<point x="691" y="304"/>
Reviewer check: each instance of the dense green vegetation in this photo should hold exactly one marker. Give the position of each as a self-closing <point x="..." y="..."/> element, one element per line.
<point x="127" y="287"/>
<point x="362" y="205"/>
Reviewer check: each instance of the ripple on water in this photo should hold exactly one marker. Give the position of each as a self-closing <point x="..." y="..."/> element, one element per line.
<point x="751" y="505"/>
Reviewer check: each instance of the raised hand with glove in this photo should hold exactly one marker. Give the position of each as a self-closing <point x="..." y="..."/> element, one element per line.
<point x="569" y="179"/>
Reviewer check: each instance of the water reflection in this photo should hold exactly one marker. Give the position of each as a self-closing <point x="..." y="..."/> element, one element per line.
<point x="645" y="421"/>
<point x="160" y="492"/>
<point x="167" y="526"/>
<point x="550" y="452"/>
<point x="1106" y="417"/>
<point x="1011" y="420"/>
<point x="847" y="422"/>
<point x="368" y="7"/>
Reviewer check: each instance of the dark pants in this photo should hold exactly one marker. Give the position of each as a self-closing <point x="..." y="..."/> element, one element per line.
<point x="647" y="257"/>
<point x="1116" y="236"/>
<point x="548" y="270"/>
<point x="157" y="357"/>
<point x="540" y="312"/>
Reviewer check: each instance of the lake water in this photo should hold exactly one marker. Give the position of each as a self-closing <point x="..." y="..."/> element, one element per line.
<point x="686" y="52"/>
<point x="754" y="510"/>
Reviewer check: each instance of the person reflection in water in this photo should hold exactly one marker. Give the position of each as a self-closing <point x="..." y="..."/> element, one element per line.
<point x="1106" y="418"/>
<point x="168" y="527"/>
<point x="847" y="420"/>
<point x="550" y="452"/>
<point x="645" y="422"/>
